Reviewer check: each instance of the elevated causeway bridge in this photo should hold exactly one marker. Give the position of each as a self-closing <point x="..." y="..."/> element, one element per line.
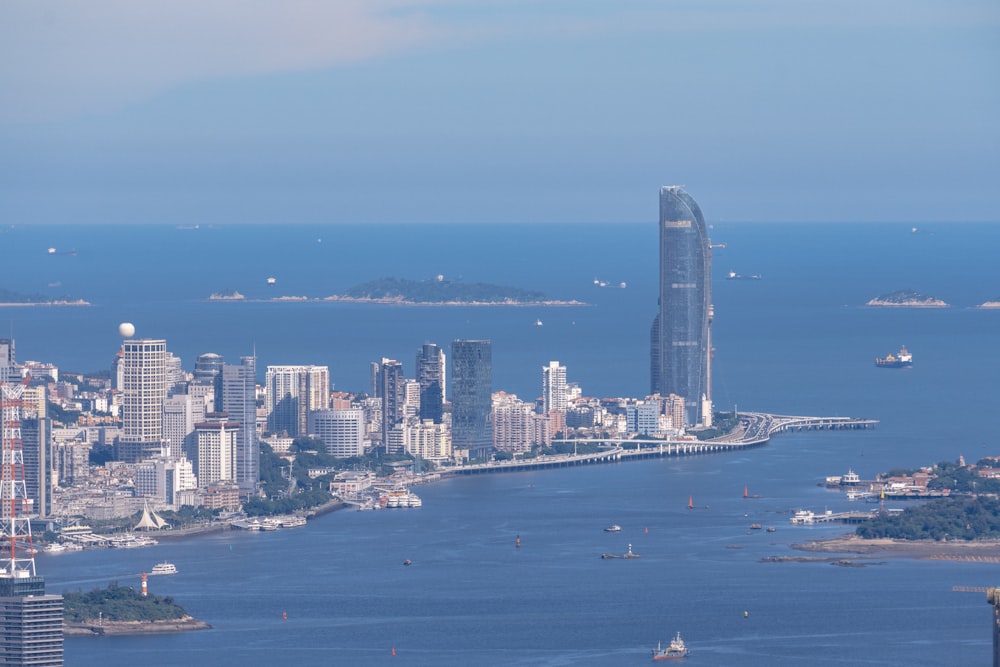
<point x="755" y="430"/>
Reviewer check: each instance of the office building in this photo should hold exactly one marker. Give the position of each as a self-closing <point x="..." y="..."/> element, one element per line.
<point x="680" y="338"/>
<point x="144" y="386"/>
<point x="342" y="431"/>
<point x="238" y="390"/>
<point x="431" y="376"/>
<point x="290" y="393"/>
<point x="471" y="391"/>
<point x="31" y="623"/>
<point x="554" y="393"/>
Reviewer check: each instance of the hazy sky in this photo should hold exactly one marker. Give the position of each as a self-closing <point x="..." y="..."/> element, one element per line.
<point x="498" y="110"/>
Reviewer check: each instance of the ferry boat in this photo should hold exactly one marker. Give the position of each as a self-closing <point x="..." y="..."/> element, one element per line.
<point x="676" y="649"/>
<point x="615" y="528"/>
<point x="902" y="359"/>
<point x="164" y="568"/>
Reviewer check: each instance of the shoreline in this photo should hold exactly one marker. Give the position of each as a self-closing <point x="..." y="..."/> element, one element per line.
<point x="978" y="551"/>
<point x="396" y="301"/>
<point x="16" y="304"/>
<point x="121" y="628"/>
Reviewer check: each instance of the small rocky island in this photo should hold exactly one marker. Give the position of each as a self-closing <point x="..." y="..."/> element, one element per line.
<point x="12" y="298"/>
<point x="441" y="292"/>
<point x="117" y="610"/>
<point x="906" y="299"/>
<point x="992" y="303"/>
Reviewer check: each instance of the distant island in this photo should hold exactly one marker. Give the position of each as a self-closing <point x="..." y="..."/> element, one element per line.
<point x="12" y="298"/>
<point x="906" y="299"/>
<point x="994" y="303"/>
<point x="444" y="292"/>
<point x="116" y="610"/>
<point x="435" y="292"/>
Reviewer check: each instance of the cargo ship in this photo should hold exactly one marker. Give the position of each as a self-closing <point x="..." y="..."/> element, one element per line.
<point x="676" y="649"/>
<point x="902" y="359"/>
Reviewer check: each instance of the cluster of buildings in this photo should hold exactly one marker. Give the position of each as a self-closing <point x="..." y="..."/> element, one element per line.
<point x="178" y="437"/>
<point x="193" y="438"/>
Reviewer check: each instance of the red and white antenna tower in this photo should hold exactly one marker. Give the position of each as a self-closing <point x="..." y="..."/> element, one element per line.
<point x="15" y="525"/>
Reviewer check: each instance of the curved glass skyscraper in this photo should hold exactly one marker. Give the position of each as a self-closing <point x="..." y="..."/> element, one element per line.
<point x="680" y="340"/>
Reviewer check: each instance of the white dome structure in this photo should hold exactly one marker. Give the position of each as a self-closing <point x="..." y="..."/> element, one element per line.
<point x="126" y="329"/>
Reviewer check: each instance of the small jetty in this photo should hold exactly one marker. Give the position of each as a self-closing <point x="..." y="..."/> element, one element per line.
<point x="627" y="554"/>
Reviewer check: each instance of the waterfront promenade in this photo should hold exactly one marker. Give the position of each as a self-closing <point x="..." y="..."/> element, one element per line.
<point x="754" y="430"/>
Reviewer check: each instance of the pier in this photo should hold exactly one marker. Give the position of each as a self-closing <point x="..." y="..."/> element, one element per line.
<point x="755" y="430"/>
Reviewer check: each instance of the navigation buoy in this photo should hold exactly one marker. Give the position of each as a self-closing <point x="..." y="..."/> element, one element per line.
<point x="284" y="615"/>
<point x="746" y="491"/>
<point x="394" y="651"/>
<point x="746" y="614"/>
<point x="690" y="502"/>
<point x="517" y="542"/>
<point x="647" y="531"/>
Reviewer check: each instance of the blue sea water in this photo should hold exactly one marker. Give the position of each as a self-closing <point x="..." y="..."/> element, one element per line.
<point x="799" y="341"/>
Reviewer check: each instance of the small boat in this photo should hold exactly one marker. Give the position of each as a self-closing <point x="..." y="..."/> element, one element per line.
<point x="755" y="526"/>
<point x="407" y="562"/>
<point x="538" y="323"/>
<point x="164" y="568"/>
<point x="271" y="280"/>
<point x="902" y="359"/>
<point x="771" y="529"/>
<point x="613" y="529"/>
<point x="676" y="649"/>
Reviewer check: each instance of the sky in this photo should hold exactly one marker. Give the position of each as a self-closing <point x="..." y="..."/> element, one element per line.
<point x="498" y="111"/>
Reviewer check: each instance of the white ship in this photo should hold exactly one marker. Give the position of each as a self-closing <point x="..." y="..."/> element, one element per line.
<point x="164" y="568"/>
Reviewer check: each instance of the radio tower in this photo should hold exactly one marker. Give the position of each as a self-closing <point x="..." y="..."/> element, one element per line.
<point x="14" y="503"/>
<point x="31" y="622"/>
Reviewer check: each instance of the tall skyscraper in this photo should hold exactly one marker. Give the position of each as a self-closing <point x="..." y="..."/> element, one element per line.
<point x="239" y="400"/>
<point x="554" y="394"/>
<point x="291" y="392"/>
<point x="431" y="376"/>
<point x="388" y="377"/>
<point x="680" y="339"/>
<point x="144" y="386"/>
<point x="471" y="396"/>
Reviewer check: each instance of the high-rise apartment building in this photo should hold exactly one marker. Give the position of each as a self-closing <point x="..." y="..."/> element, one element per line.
<point x="37" y="464"/>
<point x="513" y="423"/>
<point x="217" y="443"/>
<point x="471" y="390"/>
<point x="238" y="390"/>
<point x="554" y="393"/>
<point x="431" y="376"/>
<point x="144" y="386"/>
<point x="680" y="338"/>
<point x="388" y="385"/>
<point x="291" y="392"/>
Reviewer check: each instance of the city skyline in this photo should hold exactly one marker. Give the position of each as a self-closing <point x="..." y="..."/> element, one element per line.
<point x="556" y="111"/>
